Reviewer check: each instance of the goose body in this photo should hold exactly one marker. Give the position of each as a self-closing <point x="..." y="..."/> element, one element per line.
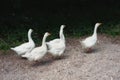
<point x="90" y="41"/>
<point x="38" y="52"/>
<point x="57" y="47"/>
<point x="25" y="47"/>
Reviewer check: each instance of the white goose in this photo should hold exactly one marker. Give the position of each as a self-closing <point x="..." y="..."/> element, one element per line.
<point x="57" y="47"/>
<point x="90" y="41"/>
<point x="38" y="52"/>
<point x="25" y="47"/>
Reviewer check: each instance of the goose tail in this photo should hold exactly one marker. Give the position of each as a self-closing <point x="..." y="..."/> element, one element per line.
<point x="82" y="44"/>
<point x="24" y="56"/>
<point x="12" y="49"/>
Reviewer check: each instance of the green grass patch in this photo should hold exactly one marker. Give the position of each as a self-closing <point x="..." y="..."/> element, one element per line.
<point x="79" y="22"/>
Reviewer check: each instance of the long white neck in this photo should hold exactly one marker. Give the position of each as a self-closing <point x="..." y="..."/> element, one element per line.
<point x="61" y="34"/>
<point x="95" y="31"/>
<point x="29" y="37"/>
<point x="43" y="40"/>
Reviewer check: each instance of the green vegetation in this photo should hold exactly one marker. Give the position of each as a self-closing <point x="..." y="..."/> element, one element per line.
<point x="79" y="22"/>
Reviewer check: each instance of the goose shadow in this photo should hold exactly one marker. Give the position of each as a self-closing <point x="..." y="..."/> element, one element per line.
<point x="47" y="62"/>
<point x="96" y="50"/>
<point x="42" y="63"/>
<point x="93" y="51"/>
<point x="61" y="57"/>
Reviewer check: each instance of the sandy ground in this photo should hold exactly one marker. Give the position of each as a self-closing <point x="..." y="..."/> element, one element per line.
<point x="102" y="64"/>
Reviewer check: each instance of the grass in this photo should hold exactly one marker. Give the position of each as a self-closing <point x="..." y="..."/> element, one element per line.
<point x="19" y="36"/>
<point x="78" y="23"/>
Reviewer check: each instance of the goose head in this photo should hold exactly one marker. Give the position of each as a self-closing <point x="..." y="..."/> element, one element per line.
<point x="47" y="34"/>
<point x="44" y="38"/>
<point x="30" y="31"/>
<point x="97" y="24"/>
<point x="62" y="27"/>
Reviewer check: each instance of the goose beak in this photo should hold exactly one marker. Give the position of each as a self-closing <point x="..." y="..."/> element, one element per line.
<point x="99" y="23"/>
<point x="49" y="34"/>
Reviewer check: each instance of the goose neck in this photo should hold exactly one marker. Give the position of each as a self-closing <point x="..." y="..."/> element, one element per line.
<point x="43" y="40"/>
<point x="29" y="36"/>
<point x="95" y="31"/>
<point x="61" y="34"/>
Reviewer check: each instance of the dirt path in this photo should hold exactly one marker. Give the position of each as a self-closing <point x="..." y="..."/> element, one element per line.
<point x="102" y="64"/>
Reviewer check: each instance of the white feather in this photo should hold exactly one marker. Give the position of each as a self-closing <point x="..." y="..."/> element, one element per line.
<point x="38" y="52"/>
<point x="25" y="47"/>
<point x="90" y="41"/>
<point x="57" y="47"/>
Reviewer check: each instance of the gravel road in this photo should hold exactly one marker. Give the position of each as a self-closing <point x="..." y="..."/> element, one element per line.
<point x="102" y="64"/>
